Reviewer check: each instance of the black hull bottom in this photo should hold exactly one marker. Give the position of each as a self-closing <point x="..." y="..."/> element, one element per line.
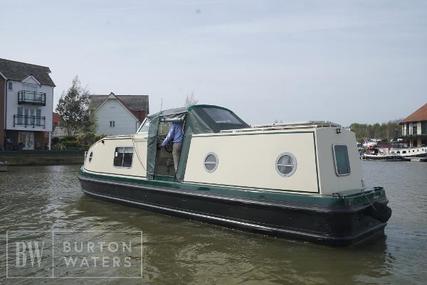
<point x="320" y="225"/>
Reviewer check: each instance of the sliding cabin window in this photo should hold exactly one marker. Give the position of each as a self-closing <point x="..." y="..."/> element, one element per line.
<point x="341" y="159"/>
<point x="220" y="119"/>
<point x="123" y="156"/>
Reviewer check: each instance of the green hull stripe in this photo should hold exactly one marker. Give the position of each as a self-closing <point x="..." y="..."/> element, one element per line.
<point x="352" y="200"/>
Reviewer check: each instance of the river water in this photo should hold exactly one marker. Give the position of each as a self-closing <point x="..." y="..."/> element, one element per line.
<point x="38" y="200"/>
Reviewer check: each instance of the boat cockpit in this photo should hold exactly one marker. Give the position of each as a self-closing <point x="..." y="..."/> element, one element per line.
<point x="195" y="119"/>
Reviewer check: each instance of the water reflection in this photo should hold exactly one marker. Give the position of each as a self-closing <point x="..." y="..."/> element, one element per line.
<point x="192" y="251"/>
<point x="181" y="251"/>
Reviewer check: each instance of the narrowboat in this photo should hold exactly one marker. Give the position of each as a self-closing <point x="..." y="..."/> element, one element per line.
<point x="299" y="180"/>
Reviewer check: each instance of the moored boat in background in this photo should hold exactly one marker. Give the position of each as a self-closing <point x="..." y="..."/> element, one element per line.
<point x="410" y="151"/>
<point x="393" y="153"/>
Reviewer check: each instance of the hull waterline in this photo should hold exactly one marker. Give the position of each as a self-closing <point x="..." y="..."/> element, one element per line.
<point x="337" y="221"/>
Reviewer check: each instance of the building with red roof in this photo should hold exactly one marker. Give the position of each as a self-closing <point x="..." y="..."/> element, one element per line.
<point x="26" y="103"/>
<point x="118" y="114"/>
<point x="414" y="127"/>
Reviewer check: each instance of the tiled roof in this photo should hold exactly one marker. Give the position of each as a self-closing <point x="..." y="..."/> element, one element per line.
<point x="418" y="115"/>
<point x="18" y="71"/>
<point x="137" y="104"/>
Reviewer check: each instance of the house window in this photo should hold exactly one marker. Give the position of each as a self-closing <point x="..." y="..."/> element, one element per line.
<point x="32" y="117"/>
<point x="342" y="162"/>
<point x="26" y="116"/>
<point x="123" y="156"/>
<point x="414" y="129"/>
<point x="10" y="85"/>
<point x="112" y="124"/>
<point x="20" y="115"/>
<point x="30" y="87"/>
<point x="424" y="128"/>
<point x="38" y="117"/>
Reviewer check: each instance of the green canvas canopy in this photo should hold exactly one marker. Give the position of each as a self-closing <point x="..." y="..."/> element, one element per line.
<point x="198" y="119"/>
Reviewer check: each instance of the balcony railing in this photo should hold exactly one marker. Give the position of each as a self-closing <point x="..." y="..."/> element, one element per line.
<point x="31" y="97"/>
<point x="29" y="121"/>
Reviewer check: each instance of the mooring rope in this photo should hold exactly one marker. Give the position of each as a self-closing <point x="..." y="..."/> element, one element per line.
<point x="137" y="154"/>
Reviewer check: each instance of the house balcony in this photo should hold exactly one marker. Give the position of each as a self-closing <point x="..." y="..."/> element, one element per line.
<point x="29" y="121"/>
<point x="31" y="97"/>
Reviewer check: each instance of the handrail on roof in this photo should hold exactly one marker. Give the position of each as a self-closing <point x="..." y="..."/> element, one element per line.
<point x="307" y="123"/>
<point x="286" y="126"/>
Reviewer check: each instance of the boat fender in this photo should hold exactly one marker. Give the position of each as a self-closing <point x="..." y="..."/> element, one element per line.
<point x="380" y="211"/>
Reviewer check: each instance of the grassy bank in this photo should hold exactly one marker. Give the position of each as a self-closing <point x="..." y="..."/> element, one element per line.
<point x="29" y="157"/>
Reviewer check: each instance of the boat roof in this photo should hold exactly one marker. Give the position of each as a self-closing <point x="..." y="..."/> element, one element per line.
<point x="169" y="112"/>
<point x="182" y="110"/>
<point x="177" y="114"/>
<point x="202" y="118"/>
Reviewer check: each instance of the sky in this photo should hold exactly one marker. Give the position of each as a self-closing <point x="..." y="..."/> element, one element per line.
<point x="267" y="60"/>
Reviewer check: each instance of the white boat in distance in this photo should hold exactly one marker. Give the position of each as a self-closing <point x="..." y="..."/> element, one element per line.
<point x="394" y="153"/>
<point x="410" y="151"/>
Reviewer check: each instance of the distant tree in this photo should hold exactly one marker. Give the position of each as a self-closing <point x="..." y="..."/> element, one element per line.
<point x="190" y="100"/>
<point x="73" y="108"/>
<point x="384" y="131"/>
<point x="87" y="134"/>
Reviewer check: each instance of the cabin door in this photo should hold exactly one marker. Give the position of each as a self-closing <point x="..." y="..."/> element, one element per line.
<point x="164" y="166"/>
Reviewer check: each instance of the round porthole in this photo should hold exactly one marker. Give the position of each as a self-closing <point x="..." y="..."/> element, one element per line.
<point x="90" y="156"/>
<point x="286" y="164"/>
<point x="211" y="162"/>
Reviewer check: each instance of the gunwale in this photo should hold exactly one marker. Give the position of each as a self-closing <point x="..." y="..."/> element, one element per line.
<point x="355" y="199"/>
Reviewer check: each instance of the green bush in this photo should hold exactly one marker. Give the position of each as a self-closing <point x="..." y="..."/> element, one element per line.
<point x="78" y="142"/>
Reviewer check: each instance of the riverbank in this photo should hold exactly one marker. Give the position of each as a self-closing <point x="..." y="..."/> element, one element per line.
<point x="31" y="157"/>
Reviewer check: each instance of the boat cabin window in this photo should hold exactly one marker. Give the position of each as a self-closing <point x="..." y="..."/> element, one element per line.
<point x="145" y="126"/>
<point x="211" y="162"/>
<point x="123" y="156"/>
<point x="342" y="162"/>
<point x="221" y="116"/>
<point x="220" y="119"/>
<point x="286" y="164"/>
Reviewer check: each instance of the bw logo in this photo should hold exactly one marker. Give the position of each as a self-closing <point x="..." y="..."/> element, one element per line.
<point x="67" y="254"/>
<point x="28" y="253"/>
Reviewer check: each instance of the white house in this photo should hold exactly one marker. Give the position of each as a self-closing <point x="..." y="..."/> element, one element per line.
<point x="118" y="114"/>
<point x="26" y="104"/>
